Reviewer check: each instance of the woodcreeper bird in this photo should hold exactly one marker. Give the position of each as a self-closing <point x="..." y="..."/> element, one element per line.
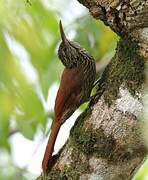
<point x="75" y="88"/>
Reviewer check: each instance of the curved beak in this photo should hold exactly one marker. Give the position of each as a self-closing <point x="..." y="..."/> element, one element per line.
<point x="63" y="36"/>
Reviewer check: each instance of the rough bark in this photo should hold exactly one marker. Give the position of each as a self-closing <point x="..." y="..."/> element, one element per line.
<point x="106" y="141"/>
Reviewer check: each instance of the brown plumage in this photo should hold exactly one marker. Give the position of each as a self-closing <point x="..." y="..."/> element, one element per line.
<point x="75" y="87"/>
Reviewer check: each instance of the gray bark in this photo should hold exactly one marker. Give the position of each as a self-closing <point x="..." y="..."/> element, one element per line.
<point x="106" y="141"/>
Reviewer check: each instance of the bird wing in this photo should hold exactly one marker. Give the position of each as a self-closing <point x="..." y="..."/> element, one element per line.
<point x="71" y="83"/>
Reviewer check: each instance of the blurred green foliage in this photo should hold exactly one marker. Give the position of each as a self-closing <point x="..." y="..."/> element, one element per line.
<point x="35" y="28"/>
<point x="95" y="37"/>
<point x="9" y="171"/>
<point x="143" y="172"/>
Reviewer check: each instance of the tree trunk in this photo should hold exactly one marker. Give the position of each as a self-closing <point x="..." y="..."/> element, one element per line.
<point x="106" y="141"/>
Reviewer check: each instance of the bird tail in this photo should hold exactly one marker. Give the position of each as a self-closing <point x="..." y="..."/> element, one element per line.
<point x="50" y="145"/>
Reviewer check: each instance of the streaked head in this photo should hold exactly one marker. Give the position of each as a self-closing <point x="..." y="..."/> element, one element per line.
<point x="67" y="51"/>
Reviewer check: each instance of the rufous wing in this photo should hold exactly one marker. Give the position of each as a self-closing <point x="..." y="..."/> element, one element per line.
<point x="71" y="82"/>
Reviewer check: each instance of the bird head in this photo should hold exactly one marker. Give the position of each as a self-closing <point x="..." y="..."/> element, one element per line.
<point x="68" y="50"/>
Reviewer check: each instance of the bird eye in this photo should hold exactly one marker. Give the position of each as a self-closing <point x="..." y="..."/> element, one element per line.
<point x="64" y="49"/>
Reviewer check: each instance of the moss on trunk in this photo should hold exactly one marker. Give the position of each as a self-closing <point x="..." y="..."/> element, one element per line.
<point x="125" y="69"/>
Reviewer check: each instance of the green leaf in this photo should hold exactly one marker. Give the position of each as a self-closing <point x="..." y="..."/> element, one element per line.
<point x="95" y="37"/>
<point x="81" y="1"/>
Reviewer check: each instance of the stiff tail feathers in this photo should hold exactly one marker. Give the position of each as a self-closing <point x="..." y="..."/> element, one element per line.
<point x="50" y="145"/>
